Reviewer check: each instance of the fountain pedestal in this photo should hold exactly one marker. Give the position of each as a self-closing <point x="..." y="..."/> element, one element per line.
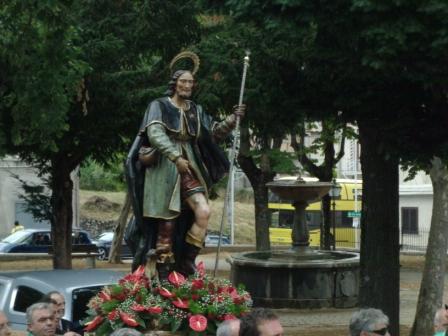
<point x="300" y="233"/>
<point x="299" y="277"/>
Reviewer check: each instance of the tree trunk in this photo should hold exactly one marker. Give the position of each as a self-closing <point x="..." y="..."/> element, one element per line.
<point x="115" y="250"/>
<point x="326" y="211"/>
<point x="61" y="222"/>
<point x="379" y="265"/>
<point x="323" y="172"/>
<point x="258" y="178"/>
<point x="431" y="290"/>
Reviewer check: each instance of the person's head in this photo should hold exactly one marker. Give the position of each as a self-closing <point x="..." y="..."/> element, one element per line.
<point x="16" y="223"/>
<point x="40" y="319"/>
<point x="54" y="306"/>
<point x="60" y="301"/>
<point x="5" y="329"/>
<point x="369" y="322"/>
<point x="181" y="84"/>
<point x="260" y="322"/>
<point x="441" y="320"/>
<point x="126" y="332"/>
<point x="229" y="328"/>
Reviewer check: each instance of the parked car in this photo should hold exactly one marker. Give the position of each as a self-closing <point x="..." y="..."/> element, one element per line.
<point x="212" y="240"/>
<point x="19" y="290"/>
<point x="104" y="244"/>
<point x="37" y="241"/>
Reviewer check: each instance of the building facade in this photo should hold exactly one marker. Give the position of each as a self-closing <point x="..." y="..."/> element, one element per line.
<point x="12" y="207"/>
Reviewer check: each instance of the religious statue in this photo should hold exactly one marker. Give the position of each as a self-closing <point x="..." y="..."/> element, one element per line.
<point x="172" y="164"/>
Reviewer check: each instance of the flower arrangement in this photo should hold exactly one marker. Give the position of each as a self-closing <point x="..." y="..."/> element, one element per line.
<point x="191" y="306"/>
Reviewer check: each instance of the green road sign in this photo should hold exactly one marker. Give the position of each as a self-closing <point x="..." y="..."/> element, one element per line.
<point x="354" y="214"/>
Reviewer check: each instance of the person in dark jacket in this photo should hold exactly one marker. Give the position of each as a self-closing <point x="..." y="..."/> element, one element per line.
<point x="57" y="300"/>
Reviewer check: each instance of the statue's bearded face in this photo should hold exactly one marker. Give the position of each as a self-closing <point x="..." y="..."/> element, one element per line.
<point x="184" y="85"/>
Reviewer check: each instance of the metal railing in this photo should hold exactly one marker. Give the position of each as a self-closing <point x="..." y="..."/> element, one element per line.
<point x="409" y="241"/>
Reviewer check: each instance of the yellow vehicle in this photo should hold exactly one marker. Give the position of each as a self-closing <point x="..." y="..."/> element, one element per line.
<point x="346" y="210"/>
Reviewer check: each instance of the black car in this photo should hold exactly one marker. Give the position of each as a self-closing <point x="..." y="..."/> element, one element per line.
<point x="37" y="241"/>
<point x="104" y="243"/>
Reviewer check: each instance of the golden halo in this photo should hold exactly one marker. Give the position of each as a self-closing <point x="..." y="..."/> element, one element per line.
<point x="186" y="54"/>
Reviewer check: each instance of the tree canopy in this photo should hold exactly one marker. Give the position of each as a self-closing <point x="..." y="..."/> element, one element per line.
<point x="379" y="64"/>
<point x="75" y="79"/>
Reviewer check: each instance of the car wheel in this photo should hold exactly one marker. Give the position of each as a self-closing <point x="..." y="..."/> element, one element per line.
<point x="102" y="253"/>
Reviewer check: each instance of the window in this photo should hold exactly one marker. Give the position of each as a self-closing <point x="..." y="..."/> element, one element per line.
<point x="409" y="220"/>
<point x="25" y="297"/>
<point x="81" y="297"/>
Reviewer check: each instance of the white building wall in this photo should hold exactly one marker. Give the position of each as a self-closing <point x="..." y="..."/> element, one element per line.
<point x="10" y="189"/>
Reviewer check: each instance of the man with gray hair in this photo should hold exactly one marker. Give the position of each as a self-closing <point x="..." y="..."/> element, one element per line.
<point x="229" y="328"/>
<point x="369" y="322"/>
<point x="40" y="319"/>
<point x="126" y="332"/>
<point x="5" y="329"/>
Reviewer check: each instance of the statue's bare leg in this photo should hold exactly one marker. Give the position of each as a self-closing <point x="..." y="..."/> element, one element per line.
<point x="196" y="235"/>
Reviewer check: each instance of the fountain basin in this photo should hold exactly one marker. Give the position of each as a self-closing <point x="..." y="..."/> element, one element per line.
<point x="299" y="191"/>
<point x="305" y="279"/>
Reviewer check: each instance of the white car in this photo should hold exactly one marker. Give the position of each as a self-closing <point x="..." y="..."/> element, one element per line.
<point x="19" y="290"/>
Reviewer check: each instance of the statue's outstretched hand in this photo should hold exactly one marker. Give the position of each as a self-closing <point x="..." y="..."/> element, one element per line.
<point x="239" y="111"/>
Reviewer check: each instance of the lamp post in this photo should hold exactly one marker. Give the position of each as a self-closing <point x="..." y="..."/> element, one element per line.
<point x="335" y="192"/>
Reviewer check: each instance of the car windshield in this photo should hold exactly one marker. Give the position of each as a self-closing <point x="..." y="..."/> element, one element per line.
<point x="105" y="236"/>
<point x="17" y="237"/>
<point x="81" y="297"/>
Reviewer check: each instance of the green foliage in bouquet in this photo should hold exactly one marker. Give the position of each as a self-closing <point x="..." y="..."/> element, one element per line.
<point x="191" y="306"/>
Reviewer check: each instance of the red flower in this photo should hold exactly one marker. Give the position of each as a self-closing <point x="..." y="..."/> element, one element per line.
<point x="139" y="271"/>
<point x="233" y="292"/>
<point x="197" y="284"/>
<point x="104" y="296"/>
<point x="165" y="292"/>
<point x="92" y="325"/>
<point x="198" y="322"/>
<point x="138" y="307"/>
<point x="179" y="303"/>
<point x="119" y="297"/>
<point x="154" y="310"/>
<point x="138" y="277"/>
<point x="229" y="317"/>
<point x="238" y="300"/>
<point x="176" y="279"/>
<point x="112" y="315"/>
<point x="128" y="320"/>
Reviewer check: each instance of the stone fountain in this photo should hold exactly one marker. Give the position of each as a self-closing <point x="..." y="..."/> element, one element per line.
<point x="299" y="277"/>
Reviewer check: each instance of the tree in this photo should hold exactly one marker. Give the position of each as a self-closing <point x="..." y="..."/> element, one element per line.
<point x="75" y="82"/>
<point x="271" y="110"/>
<point x="115" y="250"/>
<point x="431" y="289"/>
<point x="324" y="171"/>
<point x="363" y="61"/>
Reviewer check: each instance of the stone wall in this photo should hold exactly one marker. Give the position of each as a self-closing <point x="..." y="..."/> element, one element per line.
<point x="95" y="226"/>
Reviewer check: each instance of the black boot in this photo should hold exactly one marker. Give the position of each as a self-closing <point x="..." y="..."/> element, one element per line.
<point x="164" y="269"/>
<point x="187" y="265"/>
